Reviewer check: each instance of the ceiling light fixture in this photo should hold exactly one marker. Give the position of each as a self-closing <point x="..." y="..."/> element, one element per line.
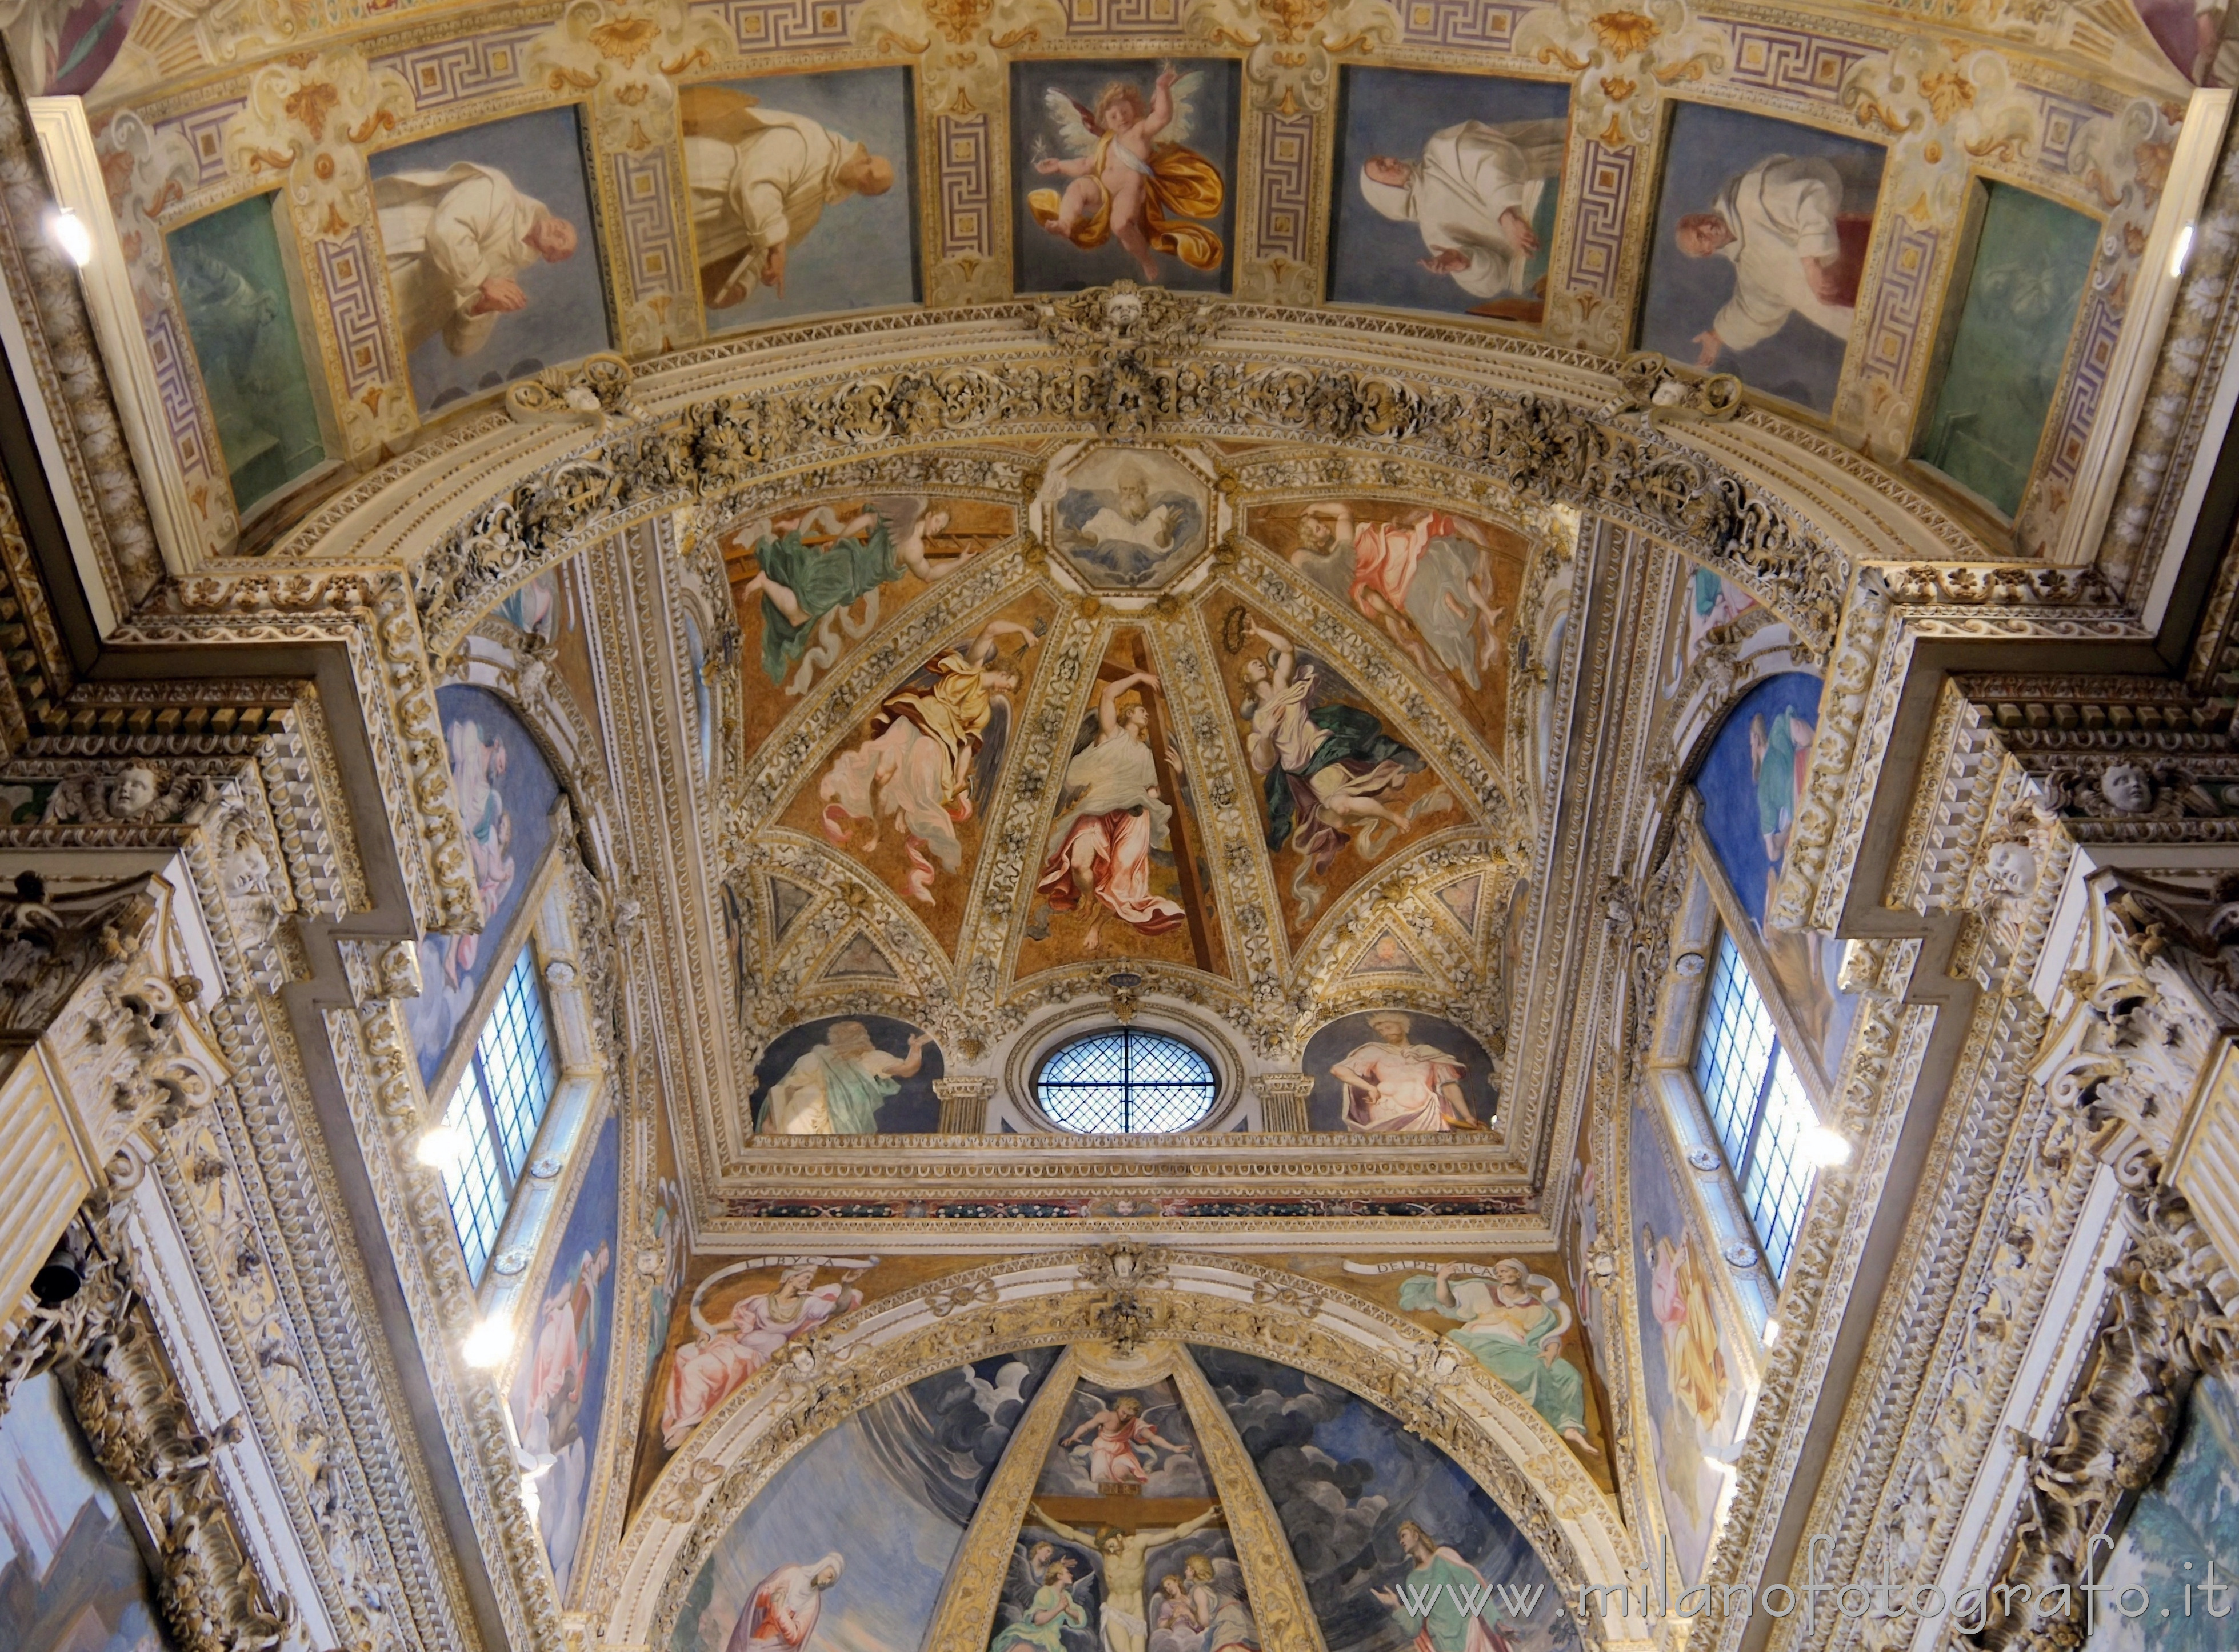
<point x="70" y="233"/>
<point x="2181" y="251"/>
<point x="488" y="1343"/>
<point x="1826" y="1147"/>
<point x="441" y="1149"/>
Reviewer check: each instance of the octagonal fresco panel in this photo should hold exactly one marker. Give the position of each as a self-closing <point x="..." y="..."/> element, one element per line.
<point x="1126" y="519"/>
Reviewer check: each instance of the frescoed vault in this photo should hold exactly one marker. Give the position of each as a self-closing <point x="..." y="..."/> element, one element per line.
<point x="383" y="234"/>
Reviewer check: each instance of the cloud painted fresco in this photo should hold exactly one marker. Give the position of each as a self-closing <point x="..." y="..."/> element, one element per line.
<point x="802" y="1565"/>
<point x="1369" y="1507"/>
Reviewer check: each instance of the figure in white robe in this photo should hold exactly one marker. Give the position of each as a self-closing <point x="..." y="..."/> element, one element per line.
<point x="455" y="240"/>
<point x="781" y="1613"/>
<point x="1474" y="195"/>
<point x="760" y="180"/>
<point x="1793" y="251"/>
<point x="1099" y="850"/>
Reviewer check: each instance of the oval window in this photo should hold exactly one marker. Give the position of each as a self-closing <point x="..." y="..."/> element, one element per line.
<point x="1125" y="1082"/>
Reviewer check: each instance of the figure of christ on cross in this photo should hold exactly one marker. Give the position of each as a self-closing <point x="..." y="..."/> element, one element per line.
<point x="1125" y="1556"/>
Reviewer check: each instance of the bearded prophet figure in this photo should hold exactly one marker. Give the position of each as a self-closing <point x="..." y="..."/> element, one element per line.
<point x="1511" y="1331"/>
<point x="1474" y="195"/>
<point x="455" y="240"/>
<point x="1122" y="1435"/>
<point x="1427" y="580"/>
<point x="836" y="1089"/>
<point x="1397" y="1084"/>
<point x="1793" y="251"/>
<point x="710" y="1371"/>
<point x="1125" y="184"/>
<point x="782" y="1613"/>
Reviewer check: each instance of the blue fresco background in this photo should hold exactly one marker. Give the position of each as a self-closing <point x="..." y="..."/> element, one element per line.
<point x="862" y="254"/>
<point x="564" y="1490"/>
<point x="1046" y="264"/>
<point x="1729" y="790"/>
<point x="1707" y="146"/>
<point x="566" y="319"/>
<point x="1393" y="111"/>
<point x="2186" y="1521"/>
<point x="921" y="1459"/>
<point x="525" y="794"/>
<point x="912" y="1109"/>
<point x="1342" y="1475"/>
<point x="72" y="1578"/>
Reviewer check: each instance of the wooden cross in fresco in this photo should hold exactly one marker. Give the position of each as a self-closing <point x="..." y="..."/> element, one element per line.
<point x="1131" y="653"/>
<point x="1129" y="1515"/>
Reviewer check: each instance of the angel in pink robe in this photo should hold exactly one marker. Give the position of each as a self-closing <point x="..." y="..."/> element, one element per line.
<point x="1120" y="1432"/>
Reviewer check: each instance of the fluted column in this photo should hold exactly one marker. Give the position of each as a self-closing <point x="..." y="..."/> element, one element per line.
<point x="1283" y="1101"/>
<point x="964" y="1105"/>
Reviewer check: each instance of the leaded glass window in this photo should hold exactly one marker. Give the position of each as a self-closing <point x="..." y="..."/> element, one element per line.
<point x="1125" y="1081"/>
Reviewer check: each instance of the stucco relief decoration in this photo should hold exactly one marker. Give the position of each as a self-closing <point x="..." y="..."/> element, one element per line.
<point x="307" y="126"/>
<point x="1292" y="46"/>
<point x="627" y="59"/>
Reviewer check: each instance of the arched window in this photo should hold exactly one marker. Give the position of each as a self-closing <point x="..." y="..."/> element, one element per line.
<point x="501" y="1099"/>
<point x="1125" y="1081"/>
<point x="1758" y="1105"/>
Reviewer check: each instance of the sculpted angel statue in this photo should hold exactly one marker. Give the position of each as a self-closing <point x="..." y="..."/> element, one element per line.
<point x="1132" y="174"/>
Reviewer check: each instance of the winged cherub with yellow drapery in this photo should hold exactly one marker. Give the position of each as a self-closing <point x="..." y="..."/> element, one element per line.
<point x="1126" y="182"/>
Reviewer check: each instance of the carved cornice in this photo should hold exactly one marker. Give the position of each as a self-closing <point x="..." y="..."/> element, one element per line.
<point x="103" y="1348"/>
<point x="1537" y="445"/>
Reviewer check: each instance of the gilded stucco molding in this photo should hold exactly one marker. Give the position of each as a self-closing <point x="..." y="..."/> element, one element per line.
<point x="1538" y="447"/>
<point x="42" y="287"/>
<point x="1890" y="610"/>
<point x="372" y="615"/>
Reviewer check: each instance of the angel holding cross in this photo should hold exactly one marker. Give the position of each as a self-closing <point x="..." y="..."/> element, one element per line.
<point x="1131" y="176"/>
